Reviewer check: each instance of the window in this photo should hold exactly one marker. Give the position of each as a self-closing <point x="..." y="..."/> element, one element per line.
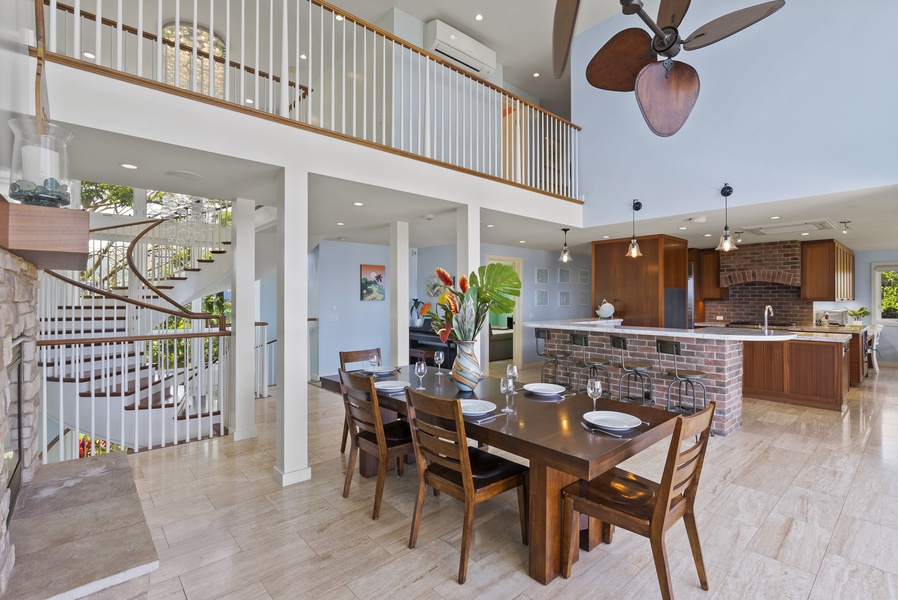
<point x="885" y="293"/>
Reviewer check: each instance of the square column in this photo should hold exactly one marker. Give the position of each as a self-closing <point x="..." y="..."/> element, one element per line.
<point x="399" y="293"/>
<point x="292" y="461"/>
<point x="241" y="390"/>
<point x="467" y="257"/>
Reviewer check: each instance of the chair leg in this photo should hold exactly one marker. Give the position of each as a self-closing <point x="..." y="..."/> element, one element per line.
<point x="524" y="508"/>
<point x="659" y="554"/>
<point x="345" y="437"/>
<point x="692" y="534"/>
<point x="350" y="466"/>
<point x="400" y="466"/>
<point x="570" y="535"/>
<point x="379" y="489"/>
<point x="467" y="532"/>
<point x="416" y="516"/>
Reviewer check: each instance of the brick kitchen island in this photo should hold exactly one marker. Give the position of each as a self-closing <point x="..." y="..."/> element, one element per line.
<point x="716" y="351"/>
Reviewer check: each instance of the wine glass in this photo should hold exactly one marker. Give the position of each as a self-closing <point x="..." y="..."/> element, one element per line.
<point x="511" y="371"/>
<point x="420" y="371"/>
<point x="373" y="361"/>
<point x="506" y="386"/>
<point x="594" y="390"/>
<point x="438" y="358"/>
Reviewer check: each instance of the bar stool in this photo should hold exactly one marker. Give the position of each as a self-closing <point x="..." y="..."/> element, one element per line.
<point x="633" y="369"/>
<point x="683" y="378"/>
<point x="551" y="358"/>
<point x="593" y="365"/>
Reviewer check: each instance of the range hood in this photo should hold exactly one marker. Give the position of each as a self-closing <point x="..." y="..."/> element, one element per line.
<point x="794" y="227"/>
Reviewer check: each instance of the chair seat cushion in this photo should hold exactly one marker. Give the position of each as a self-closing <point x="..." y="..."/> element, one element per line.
<point x="486" y="469"/>
<point x="686" y="374"/>
<point x="396" y="433"/>
<point x="622" y="491"/>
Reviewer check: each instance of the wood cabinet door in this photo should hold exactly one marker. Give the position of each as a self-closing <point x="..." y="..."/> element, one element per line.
<point x="818" y="271"/>
<point x="710" y="268"/>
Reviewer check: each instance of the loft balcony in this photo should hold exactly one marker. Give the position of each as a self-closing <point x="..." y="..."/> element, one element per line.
<point x="309" y="65"/>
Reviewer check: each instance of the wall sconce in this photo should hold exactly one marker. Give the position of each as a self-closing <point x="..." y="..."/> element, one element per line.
<point x="633" y="251"/>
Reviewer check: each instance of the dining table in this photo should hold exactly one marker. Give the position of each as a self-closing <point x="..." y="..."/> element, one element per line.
<point x="547" y="430"/>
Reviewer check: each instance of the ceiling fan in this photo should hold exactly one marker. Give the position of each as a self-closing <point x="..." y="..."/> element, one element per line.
<point x="666" y="89"/>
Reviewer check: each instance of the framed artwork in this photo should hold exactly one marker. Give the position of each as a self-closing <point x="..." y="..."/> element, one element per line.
<point x="435" y="287"/>
<point x="564" y="298"/>
<point x="564" y="275"/>
<point x="542" y="276"/>
<point x="584" y="298"/>
<point x="372" y="282"/>
<point x="542" y="297"/>
<point x="584" y="277"/>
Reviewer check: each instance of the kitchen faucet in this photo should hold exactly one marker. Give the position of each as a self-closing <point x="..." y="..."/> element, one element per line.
<point x="768" y="310"/>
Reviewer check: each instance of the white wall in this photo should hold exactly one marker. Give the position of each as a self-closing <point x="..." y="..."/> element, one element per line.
<point x="17" y="91"/>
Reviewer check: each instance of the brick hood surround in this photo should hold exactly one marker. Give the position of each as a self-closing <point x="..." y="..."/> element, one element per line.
<point x="773" y="262"/>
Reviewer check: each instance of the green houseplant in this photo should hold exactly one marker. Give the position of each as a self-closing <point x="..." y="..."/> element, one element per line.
<point x="462" y="309"/>
<point x="858" y="314"/>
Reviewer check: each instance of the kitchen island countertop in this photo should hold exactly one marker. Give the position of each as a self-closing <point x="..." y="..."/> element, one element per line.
<point x="707" y="333"/>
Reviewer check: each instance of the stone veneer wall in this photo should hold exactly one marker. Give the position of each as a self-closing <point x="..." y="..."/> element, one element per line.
<point x="761" y="274"/>
<point x="18" y="316"/>
<point x="720" y="359"/>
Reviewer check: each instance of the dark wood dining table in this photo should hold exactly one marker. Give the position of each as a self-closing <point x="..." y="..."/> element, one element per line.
<point x="547" y="431"/>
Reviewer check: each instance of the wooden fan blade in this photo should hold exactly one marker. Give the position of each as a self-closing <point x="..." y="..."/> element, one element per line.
<point x="617" y="63"/>
<point x="563" y="33"/>
<point x="734" y="22"/>
<point x="666" y="100"/>
<point x="671" y="12"/>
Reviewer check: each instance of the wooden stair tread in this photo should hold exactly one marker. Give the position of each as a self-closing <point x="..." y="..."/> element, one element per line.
<point x="84" y="318"/>
<point x="130" y="390"/>
<point x="192" y="269"/>
<point x="218" y="251"/>
<point x="226" y="243"/>
<point x="96" y="374"/>
<point x="89" y="330"/>
<point x="205" y="260"/>
<point x="183" y="417"/>
<point x="175" y="278"/>
<point x="89" y="358"/>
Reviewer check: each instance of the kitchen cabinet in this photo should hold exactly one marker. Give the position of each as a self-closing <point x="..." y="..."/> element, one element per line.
<point x="709" y="264"/>
<point x="827" y="271"/>
<point x="801" y="371"/>
<point x="857" y="347"/>
<point x="649" y="291"/>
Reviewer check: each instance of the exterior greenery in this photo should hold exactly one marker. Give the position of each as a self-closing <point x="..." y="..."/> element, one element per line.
<point x="888" y="282"/>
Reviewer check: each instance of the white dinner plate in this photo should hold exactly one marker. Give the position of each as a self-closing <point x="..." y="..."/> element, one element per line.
<point x="391" y="387"/>
<point x="615" y="421"/>
<point x="476" y="408"/>
<point x="544" y="389"/>
<point x="379" y="370"/>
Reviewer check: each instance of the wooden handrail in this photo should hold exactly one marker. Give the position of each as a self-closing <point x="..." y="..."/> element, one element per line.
<point x="123" y="225"/>
<point x="110" y="295"/>
<point x="154" y="38"/>
<point x="115" y="339"/>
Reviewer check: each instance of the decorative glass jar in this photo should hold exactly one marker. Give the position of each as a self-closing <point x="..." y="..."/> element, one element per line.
<point x="40" y="169"/>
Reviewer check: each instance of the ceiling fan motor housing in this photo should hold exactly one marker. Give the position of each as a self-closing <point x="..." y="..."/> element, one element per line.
<point x="670" y="44"/>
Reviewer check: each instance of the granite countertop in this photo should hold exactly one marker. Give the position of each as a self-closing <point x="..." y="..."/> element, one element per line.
<point x="712" y="323"/>
<point x="823" y="336"/>
<point x="830" y="329"/>
<point x="707" y="333"/>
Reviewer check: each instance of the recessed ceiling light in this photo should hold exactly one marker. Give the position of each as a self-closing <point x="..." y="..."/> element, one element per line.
<point x="358" y="204"/>
<point x="605" y="237"/>
<point x="303" y="56"/>
<point x="490" y="226"/>
<point x="339" y="17"/>
<point x="188" y="175"/>
<point x="341" y="239"/>
<point x="806" y="233"/>
<point x="249" y="101"/>
<point x="536" y="74"/>
<point x="774" y="218"/>
<point x="90" y="55"/>
<point x="127" y="166"/>
<point x="523" y="242"/>
<point x="478" y="17"/>
<point x="681" y="228"/>
<point x="707" y="235"/>
<point x="341" y="224"/>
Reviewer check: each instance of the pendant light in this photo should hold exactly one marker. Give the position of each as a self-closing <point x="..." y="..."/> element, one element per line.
<point x="565" y="253"/>
<point x="633" y="251"/>
<point x="726" y="241"/>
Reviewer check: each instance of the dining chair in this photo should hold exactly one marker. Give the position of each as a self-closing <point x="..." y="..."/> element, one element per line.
<point x="448" y="464"/>
<point x="368" y="432"/>
<point x="871" y="349"/>
<point x="354" y="356"/>
<point x="618" y="497"/>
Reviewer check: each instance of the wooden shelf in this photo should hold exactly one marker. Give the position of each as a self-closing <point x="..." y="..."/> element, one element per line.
<point x="48" y="238"/>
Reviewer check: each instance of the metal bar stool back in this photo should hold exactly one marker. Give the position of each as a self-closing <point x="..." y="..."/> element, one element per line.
<point x="631" y="370"/>
<point x="684" y="379"/>
<point x="551" y="358"/>
<point x="591" y="365"/>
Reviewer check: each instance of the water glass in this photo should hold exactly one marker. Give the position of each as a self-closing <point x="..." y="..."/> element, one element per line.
<point x="374" y="361"/>
<point x="506" y="386"/>
<point x="511" y="371"/>
<point x="594" y="390"/>
<point x="420" y="371"/>
<point x="438" y="358"/>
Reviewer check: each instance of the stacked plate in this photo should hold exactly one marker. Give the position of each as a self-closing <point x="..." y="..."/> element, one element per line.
<point x="391" y="387"/>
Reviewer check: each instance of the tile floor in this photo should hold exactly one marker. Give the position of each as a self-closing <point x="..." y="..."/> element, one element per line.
<point x="799" y="503"/>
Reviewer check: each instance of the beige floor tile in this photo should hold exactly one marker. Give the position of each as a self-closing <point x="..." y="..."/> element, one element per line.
<point x="193" y="554"/>
<point x="596" y="574"/>
<point x="743" y="504"/>
<point x="683" y="575"/>
<point x="187" y="529"/>
<point x="722" y="539"/>
<point x="795" y="543"/>
<point x="502" y="574"/>
<point x="411" y="575"/>
<point x="253" y="591"/>
<point x="167" y="590"/>
<point x="810" y="506"/>
<point x="867" y="543"/>
<point x="820" y="479"/>
<point x="761" y="578"/>
<point x="872" y="506"/>
<point x="842" y="578"/>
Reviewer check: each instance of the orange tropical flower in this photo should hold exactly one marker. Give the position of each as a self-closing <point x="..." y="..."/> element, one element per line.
<point x="444" y="277"/>
<point x="452" y="303"/>
<point x="463" y="284"/>
<point x="425" y="308"/>
<point x="444" y="332"/>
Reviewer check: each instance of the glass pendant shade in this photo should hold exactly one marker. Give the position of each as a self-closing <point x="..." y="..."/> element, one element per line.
<point x="726" y="242"/>
<point x="565" y="253"/>
<point x="633" y="250"/>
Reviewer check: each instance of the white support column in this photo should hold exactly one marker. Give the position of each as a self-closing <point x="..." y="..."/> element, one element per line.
<point x="140" y="203"/>
<point x="399" y="293"/>
<point x="241" y="401"/>
<point x="292" y="462"/>
<point x="467" y="256"/>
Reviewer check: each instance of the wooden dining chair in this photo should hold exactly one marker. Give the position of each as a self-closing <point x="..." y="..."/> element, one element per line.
<point x="368" y="432"/>
<point x="618" y="497"/>
<point x="448" y="464"/>
<point x="354" y="356"/>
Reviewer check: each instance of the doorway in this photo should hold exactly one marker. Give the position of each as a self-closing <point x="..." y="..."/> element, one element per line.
<point x="505" y="344"/>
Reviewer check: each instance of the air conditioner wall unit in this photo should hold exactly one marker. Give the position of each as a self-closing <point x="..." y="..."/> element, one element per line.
<point x="447" y="42"/>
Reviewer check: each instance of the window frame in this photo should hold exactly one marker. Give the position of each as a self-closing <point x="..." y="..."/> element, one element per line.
<point x="876" y="292"/>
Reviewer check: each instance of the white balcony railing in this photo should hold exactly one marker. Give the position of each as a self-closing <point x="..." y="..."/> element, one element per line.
<point x="308" y="62"/>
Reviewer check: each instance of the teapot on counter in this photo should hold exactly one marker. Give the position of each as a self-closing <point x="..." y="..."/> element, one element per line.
<point x="606" y="310"/>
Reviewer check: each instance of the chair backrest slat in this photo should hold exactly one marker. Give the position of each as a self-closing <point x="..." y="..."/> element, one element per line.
<point x="354" y="356"/>
<point x="362" y="407"/>
<point x="438" y="433"/>
<point x="683" y="467"/>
